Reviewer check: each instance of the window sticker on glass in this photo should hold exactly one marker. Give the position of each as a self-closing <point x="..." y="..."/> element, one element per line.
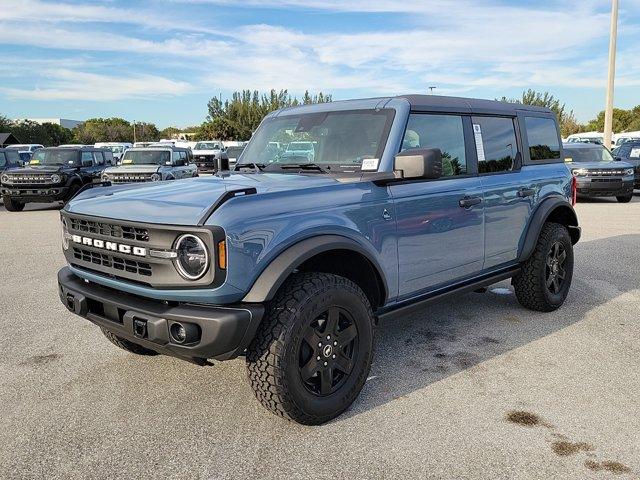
<point x="635" y="153"/>
<point x="370" y="164"/>
<point x="568" y="159"/>
<point x="477" y="133"/>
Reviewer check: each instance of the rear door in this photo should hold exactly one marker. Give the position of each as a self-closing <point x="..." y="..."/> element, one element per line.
<point x="439" y="222"/>
<point x="508" y="195"/>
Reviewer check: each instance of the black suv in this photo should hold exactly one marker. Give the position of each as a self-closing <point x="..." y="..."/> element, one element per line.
<point x="53" y="175"/>
<point x="629" y="152"/>
<point x="9" y="158"/>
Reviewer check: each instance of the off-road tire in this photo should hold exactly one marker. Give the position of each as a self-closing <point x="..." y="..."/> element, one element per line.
<point x="273" y="358"/>
<point x="531" y="283"/>
<point x="625" y="199"/>
<point x="127" y="345"/>
<point x="12" y="205"/>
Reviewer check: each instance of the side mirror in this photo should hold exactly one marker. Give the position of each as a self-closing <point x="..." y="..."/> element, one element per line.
<point x="419" y="163"/>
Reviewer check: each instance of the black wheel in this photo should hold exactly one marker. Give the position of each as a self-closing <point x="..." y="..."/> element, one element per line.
<point x="625" y="199"/>
<point x="73" y="190"/>
<point x="312" y="354"/>
<point x="12" y="205"/>
<point x="127" y="345"/>
<point x="545" y="278"/>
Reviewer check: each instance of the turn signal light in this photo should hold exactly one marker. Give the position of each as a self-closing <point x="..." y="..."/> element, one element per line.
<point x="222" y="255"/>
<point x="574" y="191"/>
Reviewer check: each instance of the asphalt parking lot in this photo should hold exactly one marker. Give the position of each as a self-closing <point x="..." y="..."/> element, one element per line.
<point x="472" y="387"/>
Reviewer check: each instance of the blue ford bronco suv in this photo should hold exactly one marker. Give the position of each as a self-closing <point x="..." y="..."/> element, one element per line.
<point x="291" y="263"/>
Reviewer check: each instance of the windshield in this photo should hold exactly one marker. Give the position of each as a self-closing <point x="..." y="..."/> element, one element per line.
<point x="207" y="146"/>
<point x="587" y="155"/>
<point x="146" y="157"/>
<point x="337" y="140"/>
<point x="117" y="149"/>
<point x="55" y="157"/>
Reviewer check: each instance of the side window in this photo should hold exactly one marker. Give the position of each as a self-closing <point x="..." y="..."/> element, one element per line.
<point x="3" y="161"/>
<point x="175" y="157"/>
<point x="99" y="159"/>
<point x="87" y="157"/>
<point x="543" y="138"/>
<point x="438" y="131"/>
<point x="108" y="156"/>
<point x="183" y="156"/>
<point x="495" y="143"/>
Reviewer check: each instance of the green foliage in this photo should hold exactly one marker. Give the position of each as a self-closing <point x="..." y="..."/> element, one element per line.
<point x="103" y="130"/>
<point x="623" y="121"/>
<point x="146" y="132"/>
<point x="566" y="119"/>
<point x="26" y="131"/>
<point x="237" y="118"/>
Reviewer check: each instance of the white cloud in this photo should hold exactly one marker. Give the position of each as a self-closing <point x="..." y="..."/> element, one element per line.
<point x="64" y="84"/>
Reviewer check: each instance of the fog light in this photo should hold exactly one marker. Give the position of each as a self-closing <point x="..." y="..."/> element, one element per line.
<point x="184" y="332"/>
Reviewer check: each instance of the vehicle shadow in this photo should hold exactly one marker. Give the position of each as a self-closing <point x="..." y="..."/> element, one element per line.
<point x="460" y="333"/>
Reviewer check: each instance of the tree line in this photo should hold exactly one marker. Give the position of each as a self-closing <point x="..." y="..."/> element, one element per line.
<point x="237" y="118"/>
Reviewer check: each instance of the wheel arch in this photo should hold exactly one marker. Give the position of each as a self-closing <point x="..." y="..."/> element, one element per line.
<point x="324" y="253"/>
<point x="553" y="209"/>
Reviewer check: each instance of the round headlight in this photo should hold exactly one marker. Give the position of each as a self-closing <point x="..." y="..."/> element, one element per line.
<point x="55" y="178"/>
<point x="4" y="178"/>
<point x="155" y="177"/>
<point x="105" y="177"/>
<point x="192" y="261"/>
<point x="579" y="171"/>
<point x="628" y="171"/>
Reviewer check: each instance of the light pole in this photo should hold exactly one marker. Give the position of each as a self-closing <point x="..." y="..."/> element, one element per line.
<point x="134" y="131"/>
<point x="608" y="113"/>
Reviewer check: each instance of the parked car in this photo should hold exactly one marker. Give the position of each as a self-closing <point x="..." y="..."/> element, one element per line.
<point x="142" y="144"/>
<point x="9" y="158"/>
<point x="291" y="265"/>
<point x="627" y="137"/>
<point x="299" y="151"/>
<point x="597" y="174"/>
<point x="152" y="164"/>
<point x="53" y="175"/>
<point x="117" y="148"/>
<point x="26" y="147"/>
<point x="210" y="156"/>
<point x="233" y="153"/>
<point x="629" y="152"/>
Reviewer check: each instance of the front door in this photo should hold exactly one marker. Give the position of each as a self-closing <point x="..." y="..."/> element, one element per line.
<point x="440" y="223"/>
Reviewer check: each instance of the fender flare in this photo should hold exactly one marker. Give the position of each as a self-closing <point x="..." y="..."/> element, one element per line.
<point x="274" y="275"/>
<point x="546" y="208"/>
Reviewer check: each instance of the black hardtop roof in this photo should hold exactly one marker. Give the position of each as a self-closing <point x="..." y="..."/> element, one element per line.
<point x="471" y="105"/>
<point x="79" y="147"/>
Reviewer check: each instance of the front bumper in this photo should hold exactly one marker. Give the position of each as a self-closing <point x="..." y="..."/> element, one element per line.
<point x="224" y="331"/>
<point x="604" y="187"/>
<point x="39" y="193"/>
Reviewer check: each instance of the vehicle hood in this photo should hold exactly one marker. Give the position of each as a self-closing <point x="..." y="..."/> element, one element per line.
<point x="182" y="202"/>
<point x="599" y="165"/>
<point x="39" y="169"/>
<point x="133" y="169"/>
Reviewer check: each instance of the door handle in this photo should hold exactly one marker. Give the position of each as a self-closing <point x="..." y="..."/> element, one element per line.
<point x="468" y="202"/>
<point x="526" y="192"/>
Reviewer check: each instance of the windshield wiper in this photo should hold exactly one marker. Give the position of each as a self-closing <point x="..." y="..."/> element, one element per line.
<point x="257" y="167"/>
<point x="303" y="166"/>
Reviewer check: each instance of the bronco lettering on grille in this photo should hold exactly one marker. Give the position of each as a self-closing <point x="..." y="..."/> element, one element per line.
<point x="105" y="245"/>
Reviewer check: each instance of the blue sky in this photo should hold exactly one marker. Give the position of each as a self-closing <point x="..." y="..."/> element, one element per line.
<point x="161" y="60"/>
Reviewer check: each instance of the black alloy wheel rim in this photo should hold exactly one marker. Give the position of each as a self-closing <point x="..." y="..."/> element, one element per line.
<point x="555" y="272"/>
<point x="328" y="351"/>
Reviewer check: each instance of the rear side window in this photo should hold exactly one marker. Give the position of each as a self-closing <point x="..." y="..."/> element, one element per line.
<point x="438" y="131"/>
<point x="543" y="138"/>
<point x="496" y="144"/>
<point x="99" y="159"/>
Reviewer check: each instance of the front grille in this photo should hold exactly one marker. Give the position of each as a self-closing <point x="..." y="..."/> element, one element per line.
<point x="109" y="229"/>
<point x="130" y="177"/>
<point x="112" y="261"/>
<point x="607" y="172"/>
<point x="205" y="158"/>
<point x="29" y="179"/>
<point x="605" y="180"/>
